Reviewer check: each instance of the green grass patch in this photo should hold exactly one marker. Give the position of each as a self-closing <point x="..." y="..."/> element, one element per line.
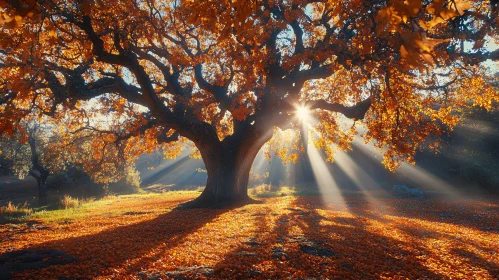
<point x="90" y="208"/>
<point x="67" y="208"/>
<point x="85" y="209"/>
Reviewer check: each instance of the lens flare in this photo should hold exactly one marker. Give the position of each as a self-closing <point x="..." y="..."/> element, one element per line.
<point x="303" y="113"/>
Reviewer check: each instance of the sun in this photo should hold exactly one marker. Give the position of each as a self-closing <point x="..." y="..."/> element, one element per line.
<point x="303" y="113"/>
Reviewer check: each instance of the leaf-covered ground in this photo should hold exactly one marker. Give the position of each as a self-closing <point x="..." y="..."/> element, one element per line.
<point x="141" y="237"/>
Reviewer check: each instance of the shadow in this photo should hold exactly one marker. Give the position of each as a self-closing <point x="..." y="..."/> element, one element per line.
<point x="472" y="258"/>
<point x="253" y="251"/>
<point x="378" y="256"/>
<point x="286" y="238"/>
<point x="128" y="246"/>
<point x="425" y="234"/>
<point x="301" y="243"/>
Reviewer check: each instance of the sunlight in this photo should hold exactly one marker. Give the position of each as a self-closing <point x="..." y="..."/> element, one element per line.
<point x="290" y="174"/>
<point x="303" y="113"/>
<point x="328" y="187"/>
<point x="364" y="182"/>
<point x="179" y="172"/>
<point x="430" y="180"/>
<point x="360" y="177"/>
<point x="410" y="172"/>
<point x="260" y="164"/>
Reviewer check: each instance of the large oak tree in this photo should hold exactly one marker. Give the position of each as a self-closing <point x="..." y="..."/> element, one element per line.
<point x="226" y="75"/>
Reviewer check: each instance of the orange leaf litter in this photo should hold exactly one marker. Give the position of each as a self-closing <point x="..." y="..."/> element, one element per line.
<point x="392" y="239"/>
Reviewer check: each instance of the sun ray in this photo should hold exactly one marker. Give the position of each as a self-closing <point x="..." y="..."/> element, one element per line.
<point x="413" y="173"/>
<point x="331" y="193"/>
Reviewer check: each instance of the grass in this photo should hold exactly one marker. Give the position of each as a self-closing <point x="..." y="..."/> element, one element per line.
<point x="68" y="202"/>
<point x="68" y="208"/>
<point x="15" y="213"/>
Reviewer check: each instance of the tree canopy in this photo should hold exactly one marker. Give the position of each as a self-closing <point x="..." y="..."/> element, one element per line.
<point x="149" y="73"/>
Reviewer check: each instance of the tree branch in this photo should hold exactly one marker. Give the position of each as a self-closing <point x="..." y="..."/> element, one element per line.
<point x="356" y="112"/>
<point x="220" y="93"/>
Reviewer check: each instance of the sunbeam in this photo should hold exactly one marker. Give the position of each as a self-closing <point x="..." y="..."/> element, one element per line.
<point x="290" y="174"/>
<point x="429" y="180"/>
<point x="328" y="187"/>
<point x="179" y="173"/>
<point x="415" y="174"/>
<point x="370" y="189"/>
<point x="260" y="165"/>
<point x="356" y="174"/>
<point x="148" y="167"/>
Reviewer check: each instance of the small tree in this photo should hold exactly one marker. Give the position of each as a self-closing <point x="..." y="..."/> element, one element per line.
<point x="26" y="156"/>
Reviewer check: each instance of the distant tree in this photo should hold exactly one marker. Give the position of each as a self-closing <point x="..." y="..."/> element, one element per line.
<point x="16" y="156"/>
<point x="26" y="156"/>
<point x="227" y="75"/>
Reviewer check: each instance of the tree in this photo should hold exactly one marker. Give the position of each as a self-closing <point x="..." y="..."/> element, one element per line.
<point x="30" y="156"/>
<point x="226" y="74"/>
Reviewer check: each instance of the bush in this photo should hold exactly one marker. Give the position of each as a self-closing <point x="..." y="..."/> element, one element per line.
<point x="14" y="213"/>
<point x="68" y="202"/>
<point x="9" y="208"/>
<point x="132" y="178"/>
<point x="267" y="191"/>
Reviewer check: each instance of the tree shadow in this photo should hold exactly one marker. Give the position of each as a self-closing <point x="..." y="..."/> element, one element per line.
<point x="346" y="245"/>
<point x="127" y="246"/>
<point x="381" y="254"/>
<point x="424" y="234"/>
<point x="249" y="253"/>
<point x="474" y="259"/>
<point x="288" y="250"/>
<point x="378" y="256"/>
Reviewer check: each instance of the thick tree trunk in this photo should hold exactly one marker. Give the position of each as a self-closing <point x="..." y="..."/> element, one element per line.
<point x="228" y="165"/>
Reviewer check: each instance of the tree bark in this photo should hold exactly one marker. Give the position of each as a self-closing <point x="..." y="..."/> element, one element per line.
<point x="228" y="165"/>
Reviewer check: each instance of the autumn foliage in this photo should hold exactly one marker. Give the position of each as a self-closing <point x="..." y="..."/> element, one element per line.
<point x="136" y="238"/>
<point x="126" y="77"/>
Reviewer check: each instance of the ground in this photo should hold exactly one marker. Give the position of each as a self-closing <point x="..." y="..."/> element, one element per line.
<point x="146" y="236"/>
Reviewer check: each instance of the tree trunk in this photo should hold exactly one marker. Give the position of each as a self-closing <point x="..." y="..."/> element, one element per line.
<point x="42" y="191"/>
<point x="41" y="180"/>
<point x="228" y="165"/>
